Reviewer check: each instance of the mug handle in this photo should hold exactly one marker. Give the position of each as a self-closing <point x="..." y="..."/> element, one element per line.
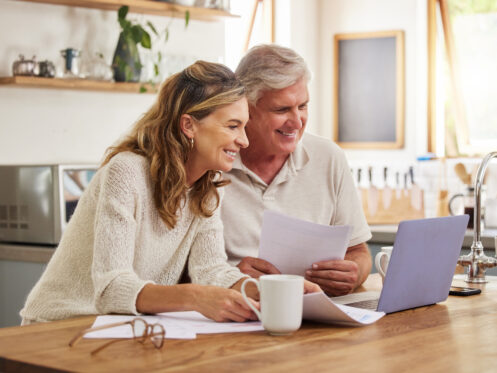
<point x="245" y="298"/>
<point x="377" y="263"/>
<point x="452" y="200"/>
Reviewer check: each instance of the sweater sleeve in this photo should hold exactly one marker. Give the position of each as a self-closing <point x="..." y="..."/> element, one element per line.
<point x="115" y="281"/>
<point x="208" y="262"/>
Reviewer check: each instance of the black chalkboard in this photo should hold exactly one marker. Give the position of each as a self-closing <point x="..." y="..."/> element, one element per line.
<point x="369" y="90"/>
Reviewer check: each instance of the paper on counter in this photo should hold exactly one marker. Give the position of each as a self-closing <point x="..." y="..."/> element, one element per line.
<point x="124" y="331"/>
<point x="202" y="325"/>
<point x="318" y="307"/>
<point x="293" y="245"/>
<point x="178" y="325"/>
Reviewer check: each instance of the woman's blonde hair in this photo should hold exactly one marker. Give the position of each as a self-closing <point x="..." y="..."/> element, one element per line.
<point x="198" y="90"/>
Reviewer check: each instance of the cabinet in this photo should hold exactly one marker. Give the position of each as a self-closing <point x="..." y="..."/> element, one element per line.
<point x="17" y="278"/>
<point x="135" y="6"/>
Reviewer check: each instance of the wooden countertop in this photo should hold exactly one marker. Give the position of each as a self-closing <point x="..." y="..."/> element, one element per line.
<point x="457" y="335"/>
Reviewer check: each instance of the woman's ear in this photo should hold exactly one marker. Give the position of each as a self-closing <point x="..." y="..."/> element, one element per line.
<point x="187" y="125"/>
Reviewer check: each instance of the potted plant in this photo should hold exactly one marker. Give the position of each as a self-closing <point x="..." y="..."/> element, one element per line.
<point x="126" y="63"/>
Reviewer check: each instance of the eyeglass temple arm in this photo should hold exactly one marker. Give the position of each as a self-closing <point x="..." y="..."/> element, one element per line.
<point x="141" y="339"/>
<point x="98" y="349"/>
<point x="80" y="335"/>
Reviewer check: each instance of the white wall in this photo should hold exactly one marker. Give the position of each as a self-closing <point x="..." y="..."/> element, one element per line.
<point x="46" y="126"/>
<point x="298" y="27"/>
<point x="62" y="126"/>
<point x="340" y="16"/>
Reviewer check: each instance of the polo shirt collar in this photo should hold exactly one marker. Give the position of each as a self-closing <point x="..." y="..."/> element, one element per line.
<point x="296" y="161"/>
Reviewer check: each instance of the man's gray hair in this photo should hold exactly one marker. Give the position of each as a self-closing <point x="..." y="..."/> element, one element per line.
<point x="269" y="66"/>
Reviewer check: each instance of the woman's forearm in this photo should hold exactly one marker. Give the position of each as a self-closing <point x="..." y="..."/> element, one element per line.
<point x="213" y="302"/>
<point x="161" y="298"/>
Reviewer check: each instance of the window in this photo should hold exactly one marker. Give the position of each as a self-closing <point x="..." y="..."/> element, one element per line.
<point x="462" y="78"/>
<point x="255" y="26"/>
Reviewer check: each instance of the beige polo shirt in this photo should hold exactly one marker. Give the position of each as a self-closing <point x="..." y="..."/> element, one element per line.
<point x="314" y="184"/>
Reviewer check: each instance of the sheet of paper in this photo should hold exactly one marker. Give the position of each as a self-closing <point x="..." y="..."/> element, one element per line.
<point x="173" y="331"/>
<point x="318" y="307"/>
<point x="293" y="245"/>
<point x="178" y="325"/>
<point x="202" y="325"/>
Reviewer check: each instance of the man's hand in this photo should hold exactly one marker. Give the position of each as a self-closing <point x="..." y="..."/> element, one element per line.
<point x="335" y="277"/>
<point x="339" y="277"/>
<point x="255" y="267"/>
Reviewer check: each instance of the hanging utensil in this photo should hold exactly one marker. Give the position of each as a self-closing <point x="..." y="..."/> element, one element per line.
<point x="406" y="188"/>
<point x="416" y="192"/>
<point x="397" y="185"/>
<point x="372" y="194"/>
<point x="463" y="175"/>
<point x="359" y="189"/>
<point x="387" y="191"/>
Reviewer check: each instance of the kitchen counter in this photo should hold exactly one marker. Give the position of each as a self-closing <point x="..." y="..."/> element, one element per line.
<point x="385" y="234"/>
<point x="382" y="234"/>
<point x="26" y="252"/>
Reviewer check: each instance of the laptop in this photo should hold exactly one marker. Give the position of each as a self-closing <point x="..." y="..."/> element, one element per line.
<point x="421" y="266"/>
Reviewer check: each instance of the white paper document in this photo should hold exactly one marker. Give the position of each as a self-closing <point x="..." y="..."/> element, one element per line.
<point x="318" y="307"/>
<point x="178" y="325"/>
<point x="293" y="245"/>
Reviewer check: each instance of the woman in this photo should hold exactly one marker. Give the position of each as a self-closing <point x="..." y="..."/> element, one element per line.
<point x="151" y="209"/>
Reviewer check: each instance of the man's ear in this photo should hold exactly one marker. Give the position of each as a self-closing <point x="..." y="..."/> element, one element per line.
<point x="187" y="125"/>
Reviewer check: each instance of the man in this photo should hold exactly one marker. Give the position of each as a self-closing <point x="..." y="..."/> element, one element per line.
<point x="285" y="170"/>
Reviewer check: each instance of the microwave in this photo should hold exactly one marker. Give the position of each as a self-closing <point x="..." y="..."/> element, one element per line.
<point x="36" y="202"/>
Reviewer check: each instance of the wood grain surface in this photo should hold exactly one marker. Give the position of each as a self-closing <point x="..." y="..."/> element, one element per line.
<point x="457" y="335"/>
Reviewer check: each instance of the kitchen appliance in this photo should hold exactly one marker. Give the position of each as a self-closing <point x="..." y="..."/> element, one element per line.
<point x="36" y="202"/>
<point x="71" y="62"/>
<point x="25" y="67"/>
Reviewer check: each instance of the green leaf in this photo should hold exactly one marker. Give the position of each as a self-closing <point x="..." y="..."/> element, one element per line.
<point x="137" y="33"/>
<point x="125" y="25"/>
<point x="156" y="69"/>
<point x="122" y="12"/>
<point x="166" y="34"/>
<point x="146" y="42"/>
<point x="187" y="18"/>
<point x="143" y="89"/>
<point x="159" y="56"/>
<point x="152" y="27"/>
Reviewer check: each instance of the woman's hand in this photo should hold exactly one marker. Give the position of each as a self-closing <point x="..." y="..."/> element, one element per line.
<point x="310" y="287"/>
<point x="222" y="305"/>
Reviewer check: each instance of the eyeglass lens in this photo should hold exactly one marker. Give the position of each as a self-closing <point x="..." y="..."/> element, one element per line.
<point x="139" y="328"/>
<point x="157" y="335"/>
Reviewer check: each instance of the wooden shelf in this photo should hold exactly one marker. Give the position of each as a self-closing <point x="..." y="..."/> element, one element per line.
<point x="76" y="84"/>
<point x="153" y="7"/>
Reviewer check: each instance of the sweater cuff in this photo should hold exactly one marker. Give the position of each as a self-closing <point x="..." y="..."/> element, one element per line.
<point x="120" y="295"/>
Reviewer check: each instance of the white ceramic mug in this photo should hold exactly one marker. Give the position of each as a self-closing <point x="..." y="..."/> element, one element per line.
<point x="282" y="302"/>
<point x="381" y="260"/>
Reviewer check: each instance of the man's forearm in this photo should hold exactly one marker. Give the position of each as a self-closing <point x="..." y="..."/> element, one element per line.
<point x="361" y="255"/>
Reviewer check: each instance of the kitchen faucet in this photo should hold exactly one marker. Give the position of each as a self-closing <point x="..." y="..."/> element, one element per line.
<point x="476" y="261"/>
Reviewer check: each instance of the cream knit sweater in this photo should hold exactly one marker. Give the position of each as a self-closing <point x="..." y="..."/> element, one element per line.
<point x="116" y="243"/>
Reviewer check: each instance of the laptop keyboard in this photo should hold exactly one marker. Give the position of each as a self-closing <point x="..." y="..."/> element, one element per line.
<point x="370" y="304"/>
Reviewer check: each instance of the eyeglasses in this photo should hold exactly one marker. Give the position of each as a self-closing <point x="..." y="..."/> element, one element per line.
<point x="142" y="331"/>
